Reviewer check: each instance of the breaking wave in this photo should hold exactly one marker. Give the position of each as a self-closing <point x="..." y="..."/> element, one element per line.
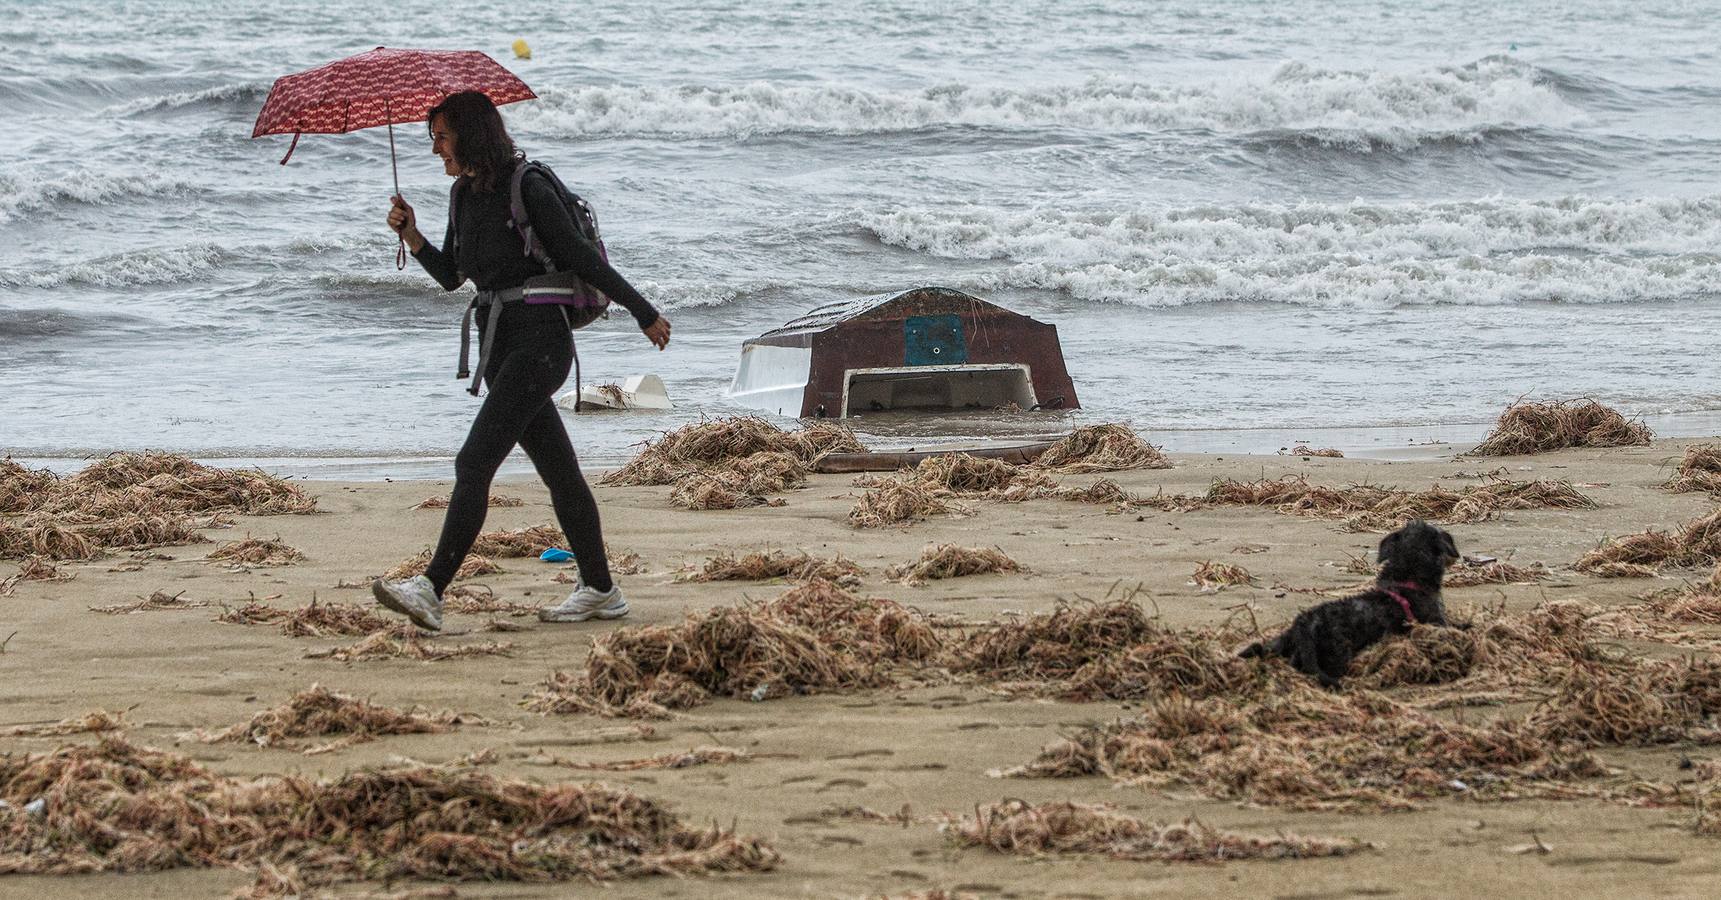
<point x="165" y="265"/>
<point x="249" y="95"/>
<point x="1337" y="107"/>
<point x="1484" y="252"/>
<point x="20" y="195"/>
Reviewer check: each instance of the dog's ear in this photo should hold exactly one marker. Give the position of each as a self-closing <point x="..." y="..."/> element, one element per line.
<point x="1386" y="547"/>
<point x="1448" y="547"/>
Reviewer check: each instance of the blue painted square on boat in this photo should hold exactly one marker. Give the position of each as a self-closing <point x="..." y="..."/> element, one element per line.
<point x="933" y="341"/>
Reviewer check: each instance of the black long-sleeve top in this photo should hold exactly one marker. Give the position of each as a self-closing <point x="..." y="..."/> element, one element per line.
<point x="491" y="253"/>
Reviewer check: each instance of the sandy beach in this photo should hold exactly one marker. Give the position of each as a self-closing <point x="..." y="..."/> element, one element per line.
<point x="924" y="745"/>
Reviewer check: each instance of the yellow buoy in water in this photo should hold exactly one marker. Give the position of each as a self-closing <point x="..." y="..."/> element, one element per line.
<point x="521" y="51"/>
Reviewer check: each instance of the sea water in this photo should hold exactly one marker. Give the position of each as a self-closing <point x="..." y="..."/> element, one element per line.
<point x="1251" y="221"/>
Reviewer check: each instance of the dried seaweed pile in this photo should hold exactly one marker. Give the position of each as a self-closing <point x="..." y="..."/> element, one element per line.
<point x="403" y="642"/>
<point x="937" y="484"/>
<point x="1697" y="604"/>
<point x="1467" y="574"/>
<point x="1101" y="448"/>
<point x="1017" y="827"/>
<point x="1541" y="427"/>
<point x="1218" y="576"/>
<point x="320" y="712"/>
<point x="495" y="501"/>
<point x="1306" y="748"/>
<point x="1696" y="543"/>
<point x="314" y="619"/>
<point x="257" y="552"/>
<point x="952" y="561"/>
<point x="693" y="448"/>
<point x="129" y="501"/>
<point x="472" y="566"/>
<point x="1699" y="470"/>
<point x="162" y="811"/>
<point x="1291" y="744"/>
<point x="765" y="564"/>
<point x="739" y="483"/>
<point x="1094" y="651"/>
<point x="93" y="722"/>
<point x="816" y="637"/>
<point x="1371" y="508"/>
<point x="1324" y="452"/>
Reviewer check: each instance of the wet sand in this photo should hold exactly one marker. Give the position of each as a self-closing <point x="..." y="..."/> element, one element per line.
<point x="927" y="747"/>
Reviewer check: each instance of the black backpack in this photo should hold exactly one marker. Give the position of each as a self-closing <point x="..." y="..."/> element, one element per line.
<point x="582" y="303"/>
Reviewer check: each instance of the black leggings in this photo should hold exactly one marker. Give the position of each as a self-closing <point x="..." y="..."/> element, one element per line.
<point x="528" y="361"/>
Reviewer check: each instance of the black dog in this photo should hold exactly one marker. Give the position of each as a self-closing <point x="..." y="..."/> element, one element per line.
<point x="1323" y="639"/>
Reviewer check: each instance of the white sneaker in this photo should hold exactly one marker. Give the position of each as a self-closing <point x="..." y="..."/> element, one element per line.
<point x="414" y="598"/>
<point x="587" y="603"/>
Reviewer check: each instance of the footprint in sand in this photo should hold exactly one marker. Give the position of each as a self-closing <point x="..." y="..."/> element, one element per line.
<point x="835" y="783"/>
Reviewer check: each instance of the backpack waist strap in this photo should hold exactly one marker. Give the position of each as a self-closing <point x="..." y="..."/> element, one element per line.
<point x="493" y="300"/>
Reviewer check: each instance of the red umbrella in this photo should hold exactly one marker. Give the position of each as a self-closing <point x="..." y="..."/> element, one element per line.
<point x="381" y="87"/>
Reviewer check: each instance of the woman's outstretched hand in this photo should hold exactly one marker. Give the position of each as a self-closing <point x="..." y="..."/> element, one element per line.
<point x="404" y="222"/>
<point x="658" y="332"/>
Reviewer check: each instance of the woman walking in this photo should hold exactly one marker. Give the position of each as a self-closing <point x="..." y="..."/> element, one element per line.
<point x="528" y="359"/>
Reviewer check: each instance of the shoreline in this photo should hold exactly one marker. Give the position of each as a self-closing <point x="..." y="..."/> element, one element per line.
<point x="1389" y="443"/>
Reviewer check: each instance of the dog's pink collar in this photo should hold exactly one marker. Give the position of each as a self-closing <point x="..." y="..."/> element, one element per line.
<point x="1403" y="603"/>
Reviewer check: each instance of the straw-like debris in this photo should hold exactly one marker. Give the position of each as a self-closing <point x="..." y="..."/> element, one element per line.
<point x="479" y="600"/>
<point x="522" y="542"/>
<point x="767" y="564"/>
<point x="952" y="561"/>
<point x="130" y="501"/>
<point x="1094" y="651"/>
<point x="1698" y="604"/>
<point x="39" y="568"/>
<point x="1217" y="576"/>
<point x="163" y="811"/>
<point x="496" y="501"/>
<point x="474" y="565"/>
<point x="1306" y="450"/>
<point x="1101" y="448"/>
<point x="95" y="721"/>
<point x="1017" y="827"/>
<point x="1468" y="574"/>
<point x="698" y="756"/>
<point x="23" y="489"/>
<point x="313" y="620"/>
<point x="320" y="712"/>
<point x="1429" y="654"/>
<point x="385" y="645"/>
<point x="1696" y="543"/>
<point x="159" y="600"/>
<point x="257" y="552"/>
<point x="693" y="448"/>
<point x="1371" y="508"/>
<point x="1541" y="427"/>
<point x="739" y="483"/>
<point x="900" y="499"/>
<point x="1699" y="470"/>
<point x="1311" y="749"/>
<point x="816" y="637"/>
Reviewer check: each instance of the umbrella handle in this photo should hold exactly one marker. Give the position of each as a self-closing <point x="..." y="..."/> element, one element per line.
<point x="400" y="252"/>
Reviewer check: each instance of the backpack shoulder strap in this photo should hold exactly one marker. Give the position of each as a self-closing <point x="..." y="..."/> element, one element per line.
<point x="517" y="211"/>
<point x="454" y="223"/>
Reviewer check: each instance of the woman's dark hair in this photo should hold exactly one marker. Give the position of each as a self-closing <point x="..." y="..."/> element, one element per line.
<point x="481" y="143"/>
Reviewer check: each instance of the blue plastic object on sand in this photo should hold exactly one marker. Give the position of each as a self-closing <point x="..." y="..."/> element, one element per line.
<point x="556" y="554"/>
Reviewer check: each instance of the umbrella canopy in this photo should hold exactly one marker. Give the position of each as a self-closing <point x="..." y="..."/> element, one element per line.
<point x="381" y="87"/>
